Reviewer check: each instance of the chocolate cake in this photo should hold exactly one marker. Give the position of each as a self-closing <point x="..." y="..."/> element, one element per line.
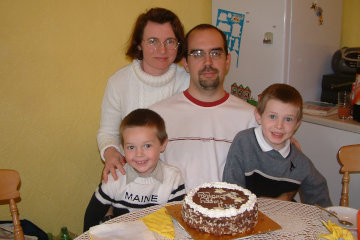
<point x="220" y="208"/>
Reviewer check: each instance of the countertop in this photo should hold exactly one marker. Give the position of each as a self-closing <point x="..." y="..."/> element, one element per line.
<point x="334" y="122"/>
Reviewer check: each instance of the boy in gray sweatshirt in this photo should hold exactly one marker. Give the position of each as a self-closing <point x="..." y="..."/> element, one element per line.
<point x="263" y="159"/>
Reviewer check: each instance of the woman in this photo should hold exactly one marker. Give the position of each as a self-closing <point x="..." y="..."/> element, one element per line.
<point x="156" y="45"/>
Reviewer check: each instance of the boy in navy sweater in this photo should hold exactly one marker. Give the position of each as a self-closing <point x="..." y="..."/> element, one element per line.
<point x="148" y="181"/>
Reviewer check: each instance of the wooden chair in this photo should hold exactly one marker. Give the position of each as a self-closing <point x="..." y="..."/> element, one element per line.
<point x="9" y="182"/>
<point x="349" y="159"/>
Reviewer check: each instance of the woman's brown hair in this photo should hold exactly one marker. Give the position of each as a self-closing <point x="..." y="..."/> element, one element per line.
<point x="157" y="15"/>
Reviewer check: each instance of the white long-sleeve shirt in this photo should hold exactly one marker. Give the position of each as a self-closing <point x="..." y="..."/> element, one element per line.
<point x="200" y="134"/>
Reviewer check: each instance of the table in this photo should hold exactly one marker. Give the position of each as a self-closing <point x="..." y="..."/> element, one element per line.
<point x="297" y="221"/>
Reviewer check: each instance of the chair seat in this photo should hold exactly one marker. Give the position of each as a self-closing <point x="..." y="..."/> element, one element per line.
<point x="8" y="195"/>
<point x="349" y="159"/>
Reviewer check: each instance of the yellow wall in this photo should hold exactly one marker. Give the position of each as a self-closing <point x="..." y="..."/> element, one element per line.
<point x="350" y="36"/>
<point x="55" y="59"/>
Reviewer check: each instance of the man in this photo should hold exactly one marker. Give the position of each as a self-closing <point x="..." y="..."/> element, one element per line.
<point x="203" y="120"/>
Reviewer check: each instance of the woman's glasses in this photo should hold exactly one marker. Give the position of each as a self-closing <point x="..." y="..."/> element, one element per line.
<point x="155" y="43"/>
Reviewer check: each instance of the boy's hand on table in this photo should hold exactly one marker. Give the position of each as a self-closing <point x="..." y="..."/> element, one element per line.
<point x="113" y="160"/>
<point x="288" y="196"/>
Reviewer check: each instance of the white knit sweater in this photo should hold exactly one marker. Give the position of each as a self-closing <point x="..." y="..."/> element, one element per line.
<point x="131" y="88"/>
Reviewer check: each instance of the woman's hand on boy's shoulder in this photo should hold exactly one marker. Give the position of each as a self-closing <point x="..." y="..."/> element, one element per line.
<point x="113" y="160"/>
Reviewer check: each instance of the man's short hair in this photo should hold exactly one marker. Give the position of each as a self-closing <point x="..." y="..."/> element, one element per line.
<point x="205" y="27"/>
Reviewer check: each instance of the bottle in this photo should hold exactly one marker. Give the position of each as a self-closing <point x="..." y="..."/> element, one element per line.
<point x="356" y="92"/>
<point x="50" y="236"/>
<point x="64" y="234"/>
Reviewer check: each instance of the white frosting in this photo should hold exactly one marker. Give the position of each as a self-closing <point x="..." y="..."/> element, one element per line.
<point x="215" y="213"/>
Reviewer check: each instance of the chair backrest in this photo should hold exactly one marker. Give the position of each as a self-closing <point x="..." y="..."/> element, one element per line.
<point x="349" y="159"/>
<point x="9" y="182"/>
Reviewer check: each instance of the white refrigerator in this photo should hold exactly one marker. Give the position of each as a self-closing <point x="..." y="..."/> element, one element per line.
<point x="278" y="41"/>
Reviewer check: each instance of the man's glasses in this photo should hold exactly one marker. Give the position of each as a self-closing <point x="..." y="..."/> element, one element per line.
<point x="201" y="54"/>
<point x="155" y="43"/>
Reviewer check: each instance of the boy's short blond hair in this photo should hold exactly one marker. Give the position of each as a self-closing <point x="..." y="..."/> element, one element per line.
<point x="284" y="93"/>
<point x="144" y="118"/>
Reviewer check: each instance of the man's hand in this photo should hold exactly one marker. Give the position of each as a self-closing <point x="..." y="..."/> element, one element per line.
<point x="296" y="143"/>
<point x="113" y="160"/>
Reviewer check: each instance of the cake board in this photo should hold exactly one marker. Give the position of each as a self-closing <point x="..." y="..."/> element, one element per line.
<point x="265" y="224"/>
